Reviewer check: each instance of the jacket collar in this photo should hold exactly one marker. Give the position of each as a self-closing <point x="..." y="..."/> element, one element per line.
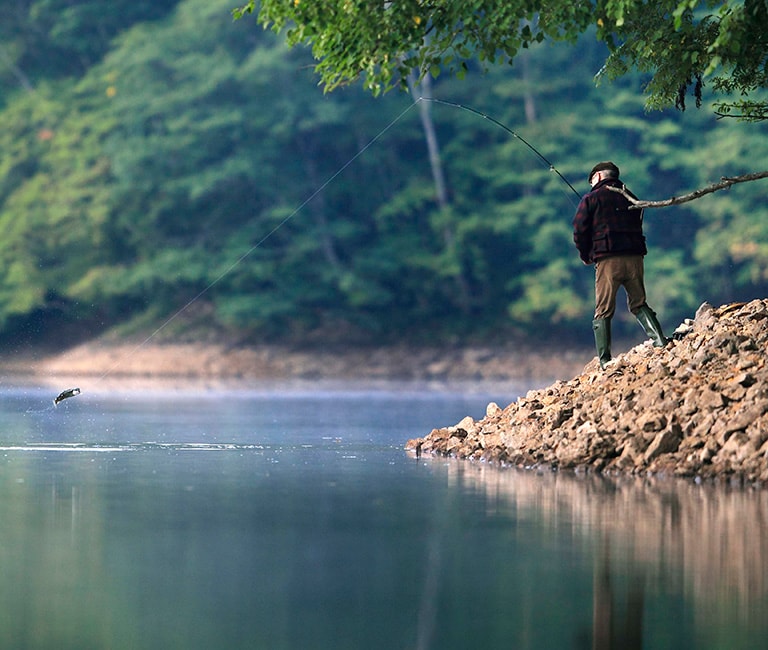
<point x="607" y="181"/>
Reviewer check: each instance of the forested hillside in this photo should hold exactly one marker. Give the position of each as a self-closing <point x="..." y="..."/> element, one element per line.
<point x="160" y="156"/>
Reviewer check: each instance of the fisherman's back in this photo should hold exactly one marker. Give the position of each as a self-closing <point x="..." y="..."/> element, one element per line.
<point x="606" y="224"/>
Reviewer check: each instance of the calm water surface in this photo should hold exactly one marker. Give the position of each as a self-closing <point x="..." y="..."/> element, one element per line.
<point x="290" y="517"/>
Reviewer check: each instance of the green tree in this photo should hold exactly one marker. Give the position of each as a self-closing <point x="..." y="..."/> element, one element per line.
<point x="46" y="39"/>
<point x="679" y="43"/>
<point x="54" y="195"/>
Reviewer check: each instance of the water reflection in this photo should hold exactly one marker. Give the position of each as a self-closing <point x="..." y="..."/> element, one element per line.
<point x="617" y="617"/>
<point x="709" y="542"/>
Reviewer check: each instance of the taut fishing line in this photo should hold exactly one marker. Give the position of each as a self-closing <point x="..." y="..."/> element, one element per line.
<point x="277" y="227"/>
<point x="76" y="391"/>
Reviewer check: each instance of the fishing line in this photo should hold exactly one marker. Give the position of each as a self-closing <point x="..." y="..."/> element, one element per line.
<point x="514" y="134"/>
<point x="242" y="257"/>
<point x="298" y="209"/>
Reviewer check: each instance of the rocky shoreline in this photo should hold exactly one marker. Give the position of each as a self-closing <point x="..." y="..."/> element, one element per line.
<point x="697" y="408"/>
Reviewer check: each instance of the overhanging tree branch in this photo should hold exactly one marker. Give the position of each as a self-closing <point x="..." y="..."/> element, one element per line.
<point x="675" y="200"/>
<point x="679" y="43"/>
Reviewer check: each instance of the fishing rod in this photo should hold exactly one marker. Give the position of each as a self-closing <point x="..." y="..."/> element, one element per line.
<point x="514" y="134"/>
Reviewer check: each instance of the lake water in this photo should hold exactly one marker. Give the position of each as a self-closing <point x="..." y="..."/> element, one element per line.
<point x="289" y="516"/>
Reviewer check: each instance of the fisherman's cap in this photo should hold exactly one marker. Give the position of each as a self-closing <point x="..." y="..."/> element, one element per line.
<point x="602" y="167"/>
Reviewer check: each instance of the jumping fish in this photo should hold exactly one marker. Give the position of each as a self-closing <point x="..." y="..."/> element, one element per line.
<point x="65" y="394"/>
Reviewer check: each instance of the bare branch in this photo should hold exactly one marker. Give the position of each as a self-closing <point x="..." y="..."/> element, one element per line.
<point x="675" y="200"/>
<point x="743" y="117"/>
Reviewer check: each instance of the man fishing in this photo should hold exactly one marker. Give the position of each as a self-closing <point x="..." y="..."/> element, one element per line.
<point x="609" y="234"/>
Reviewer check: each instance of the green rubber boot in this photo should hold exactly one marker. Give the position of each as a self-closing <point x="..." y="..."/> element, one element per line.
<point x="602" y="330"/>
<point x="647" y="319"/>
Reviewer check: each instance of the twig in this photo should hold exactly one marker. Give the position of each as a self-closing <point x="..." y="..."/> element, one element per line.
<point x="675" y="200"/>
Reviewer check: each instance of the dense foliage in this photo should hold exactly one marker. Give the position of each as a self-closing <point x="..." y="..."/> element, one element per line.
<point x="183" y="161"/>
<point x="680" y="43"/>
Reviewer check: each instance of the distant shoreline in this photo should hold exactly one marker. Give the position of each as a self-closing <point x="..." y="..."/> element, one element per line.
<point x="276" y="362"/>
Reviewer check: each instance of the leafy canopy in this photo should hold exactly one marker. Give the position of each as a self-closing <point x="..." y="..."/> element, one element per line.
<point x="681" y="45"/>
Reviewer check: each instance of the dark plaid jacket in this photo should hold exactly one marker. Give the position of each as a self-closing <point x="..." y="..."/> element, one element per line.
<point x="604" y="225"/>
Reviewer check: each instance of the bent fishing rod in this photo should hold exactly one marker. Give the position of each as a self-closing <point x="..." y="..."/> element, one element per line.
<point x="514" y="134"/>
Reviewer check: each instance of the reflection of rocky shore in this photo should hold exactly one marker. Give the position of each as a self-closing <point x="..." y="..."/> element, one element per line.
<point x="709" y="542"/>
<point x="698" y="407"/>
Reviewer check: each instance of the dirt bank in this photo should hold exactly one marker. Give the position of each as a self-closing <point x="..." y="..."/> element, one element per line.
<point x="697" y="408"/>
<point x="95" y="360"/>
